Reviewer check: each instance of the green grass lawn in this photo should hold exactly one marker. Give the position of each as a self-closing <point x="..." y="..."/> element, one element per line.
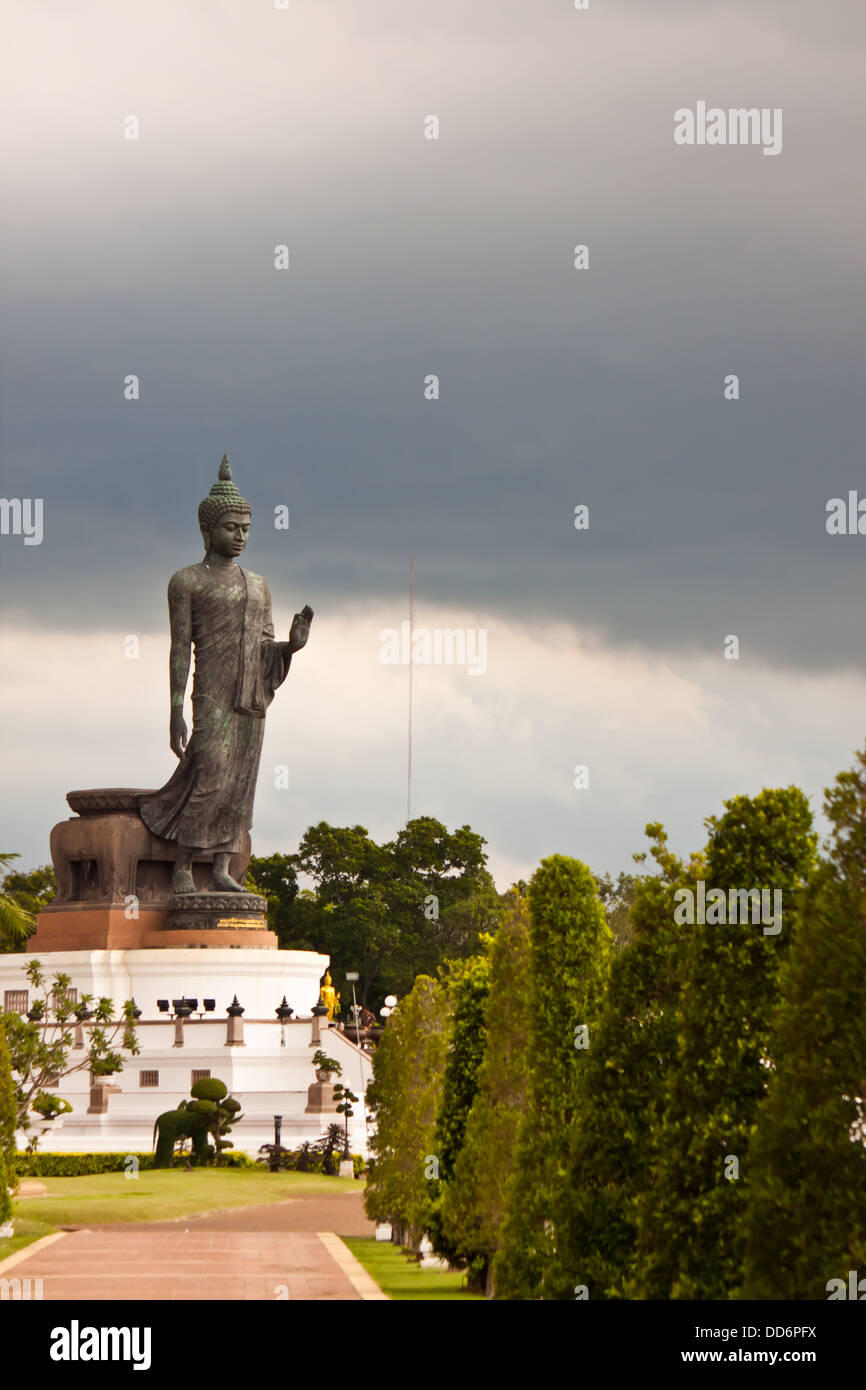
<point x="164" y="1194"/>
<point x="400" y="1277"/>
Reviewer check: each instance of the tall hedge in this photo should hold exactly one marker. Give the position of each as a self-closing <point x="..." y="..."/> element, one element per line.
<point x="474" y="1203"/>
<point x="570" y="950"/>
<point x="468" y="983"/>
<point x="621" y="1095"/>
<point x="403" y="1097"/>
<point x="804" y="1222"/>
<point x="689" y="1241"/>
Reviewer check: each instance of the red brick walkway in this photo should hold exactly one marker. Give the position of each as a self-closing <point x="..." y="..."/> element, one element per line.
<point x="343" y="1214"/>
<point x="261" y="1253"/>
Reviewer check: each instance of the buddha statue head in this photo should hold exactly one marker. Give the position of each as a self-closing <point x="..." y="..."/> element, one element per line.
<point x="224" y="516"/>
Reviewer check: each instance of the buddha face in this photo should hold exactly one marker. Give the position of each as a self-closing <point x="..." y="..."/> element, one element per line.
<point x="229" y="535"/>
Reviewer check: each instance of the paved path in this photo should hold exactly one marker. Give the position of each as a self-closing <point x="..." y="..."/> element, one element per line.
<point x="343" y="1214"/>
<point x="288" y="1250"/>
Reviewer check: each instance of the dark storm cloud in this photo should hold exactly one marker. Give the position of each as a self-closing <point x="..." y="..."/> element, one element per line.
<point x="409" y="257"/>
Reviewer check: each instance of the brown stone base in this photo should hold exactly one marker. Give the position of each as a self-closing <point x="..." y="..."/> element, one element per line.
<point x="320" y="1099"/>
<point x="108" y="929"/>
<point x="107" y="861"/>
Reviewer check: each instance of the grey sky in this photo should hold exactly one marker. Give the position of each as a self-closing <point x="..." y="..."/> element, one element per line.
<point x="453" y="256"/>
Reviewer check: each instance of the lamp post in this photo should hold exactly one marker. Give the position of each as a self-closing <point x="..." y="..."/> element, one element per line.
<point x="275" y="1153"/>
<point x="352" y="976"/>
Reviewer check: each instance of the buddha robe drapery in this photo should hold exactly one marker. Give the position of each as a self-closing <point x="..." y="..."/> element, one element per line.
<point x="208" y="802"/>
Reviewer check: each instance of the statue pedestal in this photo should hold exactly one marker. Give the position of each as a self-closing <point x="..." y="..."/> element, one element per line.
<point x="114" y="887"/>
<point x="233" y="919"/>
<point x="79" y="927"/>
<point x="216" y="912"/>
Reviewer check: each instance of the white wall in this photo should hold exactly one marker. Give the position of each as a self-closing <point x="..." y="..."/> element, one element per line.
<point x="270" y="1074"/>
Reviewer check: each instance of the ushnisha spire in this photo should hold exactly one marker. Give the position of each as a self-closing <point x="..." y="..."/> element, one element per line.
<point x="222" y="498"/>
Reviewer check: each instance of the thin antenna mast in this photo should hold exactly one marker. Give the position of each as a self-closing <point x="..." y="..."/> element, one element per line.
<point x="411" y="683"/>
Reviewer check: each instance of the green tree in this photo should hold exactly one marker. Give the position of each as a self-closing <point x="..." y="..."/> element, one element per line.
<point x="475" y="1200"/>
<point x="351" y="918"/>
<point x="276" y="879"/>
<point x="617" y="898"/>
<point x="5" y="1198"/>
<point x="804" y="1221"/>
<point x="570" y="951"/>
<point x="468" y="983"/>
<point x="8" y="1117"/>
<point x="621" y="1090"/>
<point x="688" y="1216"/>
<point x="33" y="890"/>
<point x="451" y="899"/>
<point x="19" y="901"/>
<point x="40" y="1046"/>
<point x="402" y="1099"/>
<point x="390" y="911"/>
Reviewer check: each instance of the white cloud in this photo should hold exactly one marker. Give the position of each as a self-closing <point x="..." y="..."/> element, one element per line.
<point x="664" y="740"/>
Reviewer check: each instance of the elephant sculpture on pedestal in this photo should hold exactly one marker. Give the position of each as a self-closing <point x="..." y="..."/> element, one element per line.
<point x="184" y="1123"/>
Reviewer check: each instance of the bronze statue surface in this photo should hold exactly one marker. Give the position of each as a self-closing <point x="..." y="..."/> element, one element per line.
<point x="224" y="613"/>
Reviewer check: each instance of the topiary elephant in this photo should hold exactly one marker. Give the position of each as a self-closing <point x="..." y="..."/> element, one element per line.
<point x="184" y="1123"/>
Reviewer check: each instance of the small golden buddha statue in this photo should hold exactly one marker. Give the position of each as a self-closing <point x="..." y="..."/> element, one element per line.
<point x="329" y="996"/>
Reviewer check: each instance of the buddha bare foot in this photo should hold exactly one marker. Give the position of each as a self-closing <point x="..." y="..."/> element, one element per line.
<point x="222" y="881"/>
<point x="182" y="881"/>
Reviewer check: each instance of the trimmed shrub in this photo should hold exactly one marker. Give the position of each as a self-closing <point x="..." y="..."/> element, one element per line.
<point x="72" y="1165"/>
<point x="209" y="1088"/>
<point x="43" y="1165"/>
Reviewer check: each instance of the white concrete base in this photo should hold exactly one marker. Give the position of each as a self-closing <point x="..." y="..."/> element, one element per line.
<point x="259" y="978"/>
<point x="269" y="1072"/>
<point x="428" y="1259"/>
